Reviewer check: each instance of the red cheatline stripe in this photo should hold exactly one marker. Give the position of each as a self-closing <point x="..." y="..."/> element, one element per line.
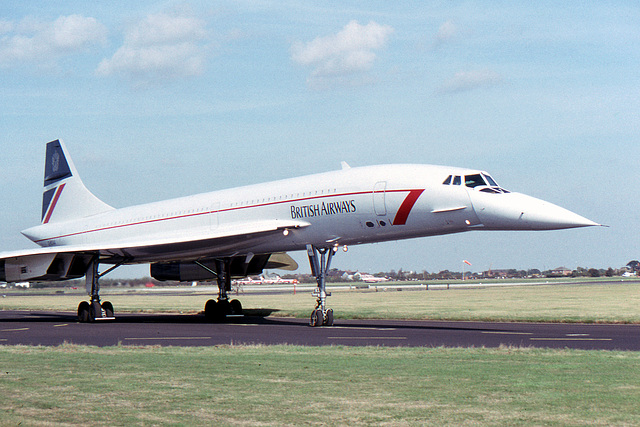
<point x="409" y="205"/>
<point x="405" y="208"/>
<point x="52" y="206"/>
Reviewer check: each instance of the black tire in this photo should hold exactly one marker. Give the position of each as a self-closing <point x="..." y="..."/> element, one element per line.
<point x="316" y="318"/>
<point x="236" y="307"/>
<point x="312" y="319"/>
<point x="224" y="309"/>
<point x="95" y="311"/>
<point x="108" y="308"/>
<point x="210" y="310"/>
<point x="83" y="312"/>
<point x="328" y="320"/>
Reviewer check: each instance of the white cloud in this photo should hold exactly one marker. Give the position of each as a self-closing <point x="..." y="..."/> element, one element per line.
<point x="160" y="47"/>
<point x="31" y="41"/>
<point x="350" y="51"/>
<point x="469" y="80"/>
<point x="446" y="32"/>
<point x="165" y="29"/>
<point x="6" y="26"/>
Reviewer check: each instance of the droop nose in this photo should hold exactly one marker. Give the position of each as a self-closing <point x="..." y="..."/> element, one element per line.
<point x="516" y="211"/>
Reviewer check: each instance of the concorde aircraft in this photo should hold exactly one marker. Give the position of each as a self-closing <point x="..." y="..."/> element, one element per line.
<point x="241" y="231"/>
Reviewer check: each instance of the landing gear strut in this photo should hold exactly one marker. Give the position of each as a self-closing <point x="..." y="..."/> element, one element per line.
<point x="217" y="311"/>
<point x="321" y="316"/>
<point x="93" y="310"/>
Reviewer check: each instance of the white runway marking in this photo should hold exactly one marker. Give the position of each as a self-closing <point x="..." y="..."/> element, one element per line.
<point x="367" y="338"/>
<point x="507" y="333"/>
<point x="571" y="339"/>
<point x="168" y="338"/>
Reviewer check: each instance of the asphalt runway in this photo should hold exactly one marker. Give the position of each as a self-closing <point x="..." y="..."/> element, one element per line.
<point x="55" y="328"/>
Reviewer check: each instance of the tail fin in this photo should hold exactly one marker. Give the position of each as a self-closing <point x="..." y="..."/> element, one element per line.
<point x="65" y="197"/>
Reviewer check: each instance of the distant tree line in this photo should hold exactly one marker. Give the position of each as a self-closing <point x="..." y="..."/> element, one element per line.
<point x="335" y="275"/>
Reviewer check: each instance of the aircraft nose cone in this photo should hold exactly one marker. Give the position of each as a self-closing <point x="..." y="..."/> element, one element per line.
<point x="515" y="211"/>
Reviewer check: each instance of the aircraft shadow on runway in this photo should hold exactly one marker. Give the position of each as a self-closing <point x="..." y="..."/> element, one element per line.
<point x="251" y="316"/>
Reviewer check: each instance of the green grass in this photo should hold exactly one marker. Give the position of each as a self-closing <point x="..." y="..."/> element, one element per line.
<point x="285" y="385"/>
<point x="593" y="302"/>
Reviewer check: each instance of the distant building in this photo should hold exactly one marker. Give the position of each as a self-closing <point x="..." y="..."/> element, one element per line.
<point x="496" y="274"/>
<point x="561" y="271"/>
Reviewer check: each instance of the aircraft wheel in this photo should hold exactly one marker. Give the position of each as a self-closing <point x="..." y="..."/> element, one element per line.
<point x="236" y="306"/>
<point x="224" y="309"/>
<point x="95" y="311"/>
<point x="328" y="320"/>
<point x="83" y="312"/>
<point x="210" y="310"/>
<point x="316" y="318"/>
<point x="108" y="309"/>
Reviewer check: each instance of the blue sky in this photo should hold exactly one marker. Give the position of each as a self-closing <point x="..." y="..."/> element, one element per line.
<point x="163" y="99"/>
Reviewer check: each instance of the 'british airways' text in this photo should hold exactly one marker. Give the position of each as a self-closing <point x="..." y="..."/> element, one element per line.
<point x="323" y="209"/>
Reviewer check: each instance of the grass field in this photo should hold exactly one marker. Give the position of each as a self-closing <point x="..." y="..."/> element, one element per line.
<point x="287" y="385"/>
<point x="283" y="385"/>
<point x="593" y="302"/>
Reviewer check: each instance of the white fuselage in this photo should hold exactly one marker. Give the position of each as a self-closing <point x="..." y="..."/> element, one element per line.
<point x="346" y="207"/>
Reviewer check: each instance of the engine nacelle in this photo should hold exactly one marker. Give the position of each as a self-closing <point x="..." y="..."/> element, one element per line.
<point x="44" y="267"/>
<point x="241" y="266"/>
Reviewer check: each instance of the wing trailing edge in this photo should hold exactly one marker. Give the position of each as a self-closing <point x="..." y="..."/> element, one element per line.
<point x="72" y="262"/>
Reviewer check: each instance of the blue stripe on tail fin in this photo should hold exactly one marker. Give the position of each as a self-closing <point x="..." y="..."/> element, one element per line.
<point x="46" y="201"/>
<point x="56" y="167"/>
<point x="76" y="201"/>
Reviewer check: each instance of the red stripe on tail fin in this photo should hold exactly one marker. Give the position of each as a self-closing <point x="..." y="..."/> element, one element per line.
<point x="52" y="206"/>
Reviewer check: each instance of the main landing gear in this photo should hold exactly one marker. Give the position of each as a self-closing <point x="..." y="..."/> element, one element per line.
<point x="321" y="316"/>
<point x="217" y="311"/>
<point x="93" y="310"/>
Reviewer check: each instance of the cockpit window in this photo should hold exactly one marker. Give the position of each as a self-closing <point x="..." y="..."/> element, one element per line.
<point x="490" y="180"/>
<point x="491" y="190"/>
<point x="477" y="180"/>
<point x="488" y="184"/>
<point x="474" y="180"/>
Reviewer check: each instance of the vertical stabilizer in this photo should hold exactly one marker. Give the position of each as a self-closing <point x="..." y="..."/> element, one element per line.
<point x="65" y="197"/>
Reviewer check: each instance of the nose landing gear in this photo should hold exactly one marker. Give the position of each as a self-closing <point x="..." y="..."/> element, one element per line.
<point x="321" y="316"/>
